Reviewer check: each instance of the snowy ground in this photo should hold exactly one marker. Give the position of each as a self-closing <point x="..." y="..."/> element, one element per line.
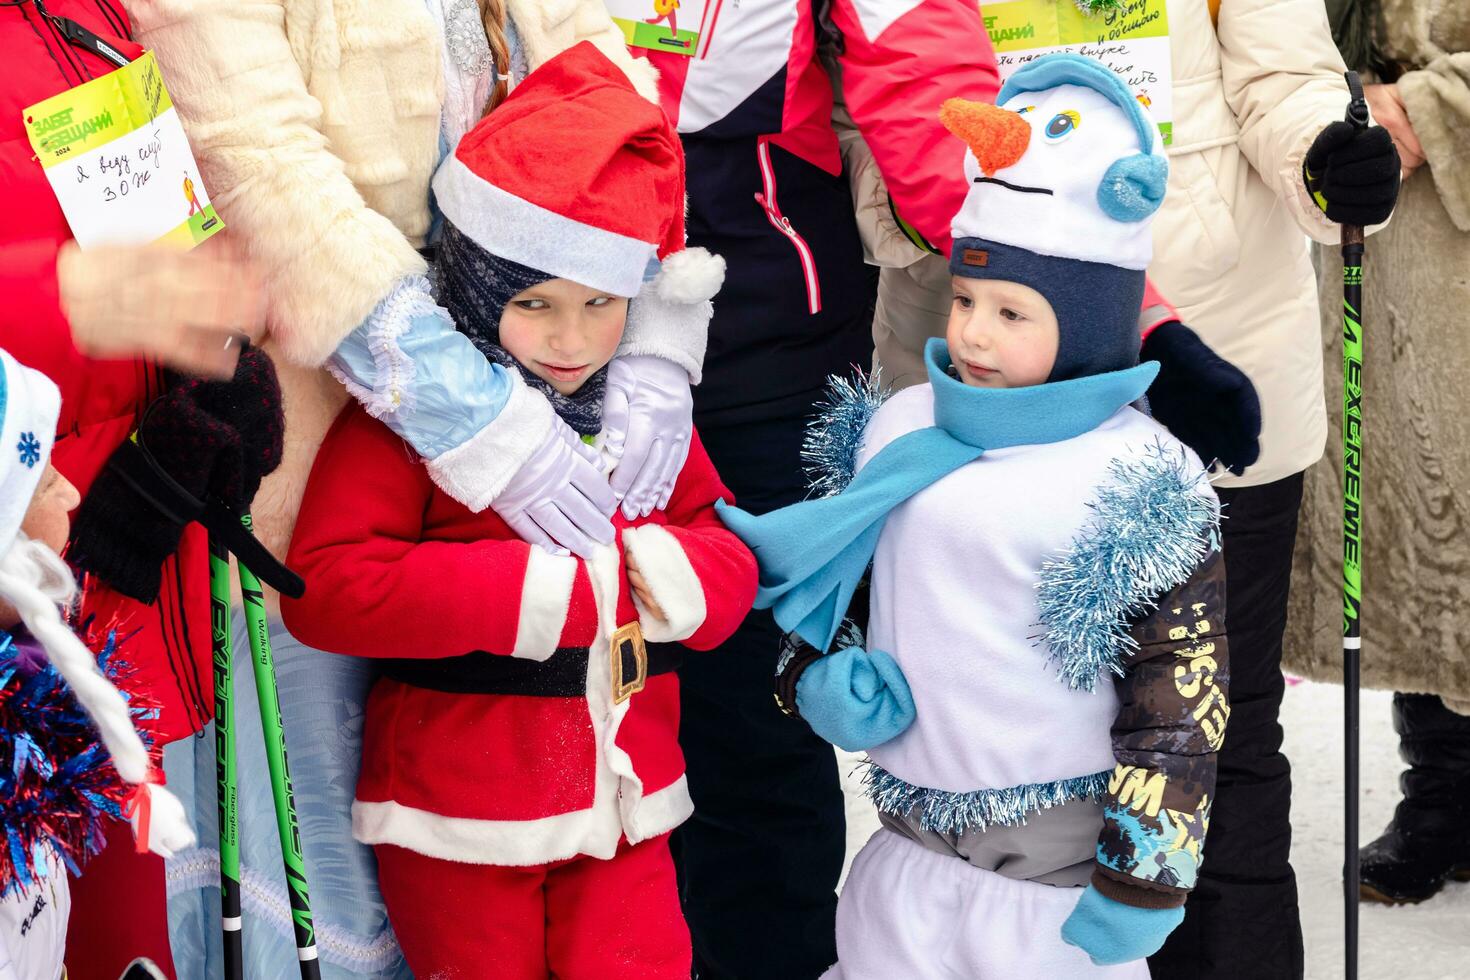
<point x="1425" y="942"/>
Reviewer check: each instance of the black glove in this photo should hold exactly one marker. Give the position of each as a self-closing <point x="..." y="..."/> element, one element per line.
<point x="1353" y="174"/>
<point x="1204" y="400"/>
<point x="199" y="454"/>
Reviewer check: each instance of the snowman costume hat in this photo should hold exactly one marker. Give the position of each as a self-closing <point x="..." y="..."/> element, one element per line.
<point x="1065" y="171"/>
<point x="35" y="580"/>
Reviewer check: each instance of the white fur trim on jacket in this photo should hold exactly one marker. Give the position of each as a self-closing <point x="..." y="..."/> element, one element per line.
<point x="474" y="473"/>
<point x="593" y="832"/>
<point x="676" y="588"/>
<point x="516" y="229"/>
<point x="669" y="318"/>
<point x="545" y="597"/>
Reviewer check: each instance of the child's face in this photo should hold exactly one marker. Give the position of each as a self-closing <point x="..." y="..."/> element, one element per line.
<point x="563" y="331"/>
<point x="48" y="519"/>
<point x="1001" y="334"/>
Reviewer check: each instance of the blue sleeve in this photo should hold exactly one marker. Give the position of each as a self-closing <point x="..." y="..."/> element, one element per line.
<point x="409" y="367"/>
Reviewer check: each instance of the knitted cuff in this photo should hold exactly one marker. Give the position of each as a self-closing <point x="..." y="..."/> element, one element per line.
<point x="796" y="656"/>
<point x="1136" y="892"/>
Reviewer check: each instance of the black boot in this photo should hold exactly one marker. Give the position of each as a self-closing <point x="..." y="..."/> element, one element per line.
<point x="1428" y="841"/>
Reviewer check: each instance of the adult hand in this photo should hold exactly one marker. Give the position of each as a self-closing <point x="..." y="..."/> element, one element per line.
<point x="1353" y="174"/>
<point x="1388" y="110"/>
<point x="187" y="310"/>
<point x="1110" y="932"/>
<point x="855" y="699"/>
<point x="559" y="499"/>
<point x="1204" y="400"/>
<point x="647" y="418"/>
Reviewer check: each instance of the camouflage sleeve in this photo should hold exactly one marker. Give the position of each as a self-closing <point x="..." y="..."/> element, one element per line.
<point x="1170" y="725"/>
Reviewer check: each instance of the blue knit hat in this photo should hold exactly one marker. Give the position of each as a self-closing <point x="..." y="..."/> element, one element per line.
<point x="1066" y="171"/>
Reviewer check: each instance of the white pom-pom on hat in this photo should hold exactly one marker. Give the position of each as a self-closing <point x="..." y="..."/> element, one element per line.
<point x="691" y="275"/>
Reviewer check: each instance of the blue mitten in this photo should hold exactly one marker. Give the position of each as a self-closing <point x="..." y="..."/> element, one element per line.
<point x="1110" y="932"/>
<point x="855" y="699"/>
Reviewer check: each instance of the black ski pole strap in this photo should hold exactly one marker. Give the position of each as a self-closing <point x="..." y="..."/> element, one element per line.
<point x="1357" y="111"/>
<point x="137" y="467"/>
<point x="224" y="526"/>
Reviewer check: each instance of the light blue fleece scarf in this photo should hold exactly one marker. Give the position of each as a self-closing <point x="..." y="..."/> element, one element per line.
<point x="813" y="554"/>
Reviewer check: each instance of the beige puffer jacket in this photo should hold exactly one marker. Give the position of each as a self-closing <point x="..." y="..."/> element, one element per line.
<point x="316" y="128"/>
<point x="1230" y="247"/>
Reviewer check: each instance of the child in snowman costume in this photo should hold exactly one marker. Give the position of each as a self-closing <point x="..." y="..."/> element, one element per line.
<point x="1042" y="690"/>
<point x="35" y="585"/>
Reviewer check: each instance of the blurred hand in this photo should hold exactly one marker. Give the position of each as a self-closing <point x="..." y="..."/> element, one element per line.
<point x="1388" y="111"/>
<point x="186" y="310"/>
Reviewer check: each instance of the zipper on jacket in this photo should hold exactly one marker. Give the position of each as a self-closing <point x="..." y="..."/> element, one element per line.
<point x="767" y="200"/>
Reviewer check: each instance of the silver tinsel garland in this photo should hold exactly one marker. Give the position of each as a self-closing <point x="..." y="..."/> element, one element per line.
<point x="835" y="434"/>
<point x="949" y="812"/>
<point x="1151" y="528"/>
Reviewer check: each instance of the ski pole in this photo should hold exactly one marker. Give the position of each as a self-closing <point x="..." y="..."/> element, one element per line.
<point x="224" y="760"/>
<point x="275" y="753"/>
<point x="1352" y="537"/>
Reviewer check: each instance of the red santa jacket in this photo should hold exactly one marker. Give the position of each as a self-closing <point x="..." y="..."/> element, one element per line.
<point x="395" y="569"/>
<point x="100" y="400"/>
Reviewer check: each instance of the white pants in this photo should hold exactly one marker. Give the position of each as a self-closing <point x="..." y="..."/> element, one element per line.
<point x="912" y="913"/>
<point x="33" y="928"/>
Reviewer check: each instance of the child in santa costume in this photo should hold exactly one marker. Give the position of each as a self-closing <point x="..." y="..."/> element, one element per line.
<point x="56" y="787"/>
<point x="521" y="769"/>
<point x="1042" y="687"/>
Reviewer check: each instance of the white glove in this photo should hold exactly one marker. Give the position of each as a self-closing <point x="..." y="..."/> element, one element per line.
<point x="559" y="498"/>
<point x="647" y="419"/>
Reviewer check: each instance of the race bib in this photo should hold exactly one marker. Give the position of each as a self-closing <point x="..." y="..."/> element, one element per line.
<point x="116" y="156"/>
<point x="1131" y="38"/>
<point x="675" y="26"/>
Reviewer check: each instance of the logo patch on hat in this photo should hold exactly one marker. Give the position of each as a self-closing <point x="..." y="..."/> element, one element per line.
<point x="975" y="256"/>
<point x="29" y="448"/>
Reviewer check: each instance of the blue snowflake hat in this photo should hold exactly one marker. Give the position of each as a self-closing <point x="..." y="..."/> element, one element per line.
<point x="29" y="408"/>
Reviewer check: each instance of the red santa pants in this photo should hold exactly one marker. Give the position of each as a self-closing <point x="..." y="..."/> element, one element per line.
<point x="580" y="919"/>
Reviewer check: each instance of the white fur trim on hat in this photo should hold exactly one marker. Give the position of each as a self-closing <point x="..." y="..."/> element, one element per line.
<point x="30" y="405"/>
<point x="513" y="228"/>
<point x="475" y="472"/>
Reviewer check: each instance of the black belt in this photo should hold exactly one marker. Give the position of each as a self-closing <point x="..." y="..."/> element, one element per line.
<point x="562" y="675"/>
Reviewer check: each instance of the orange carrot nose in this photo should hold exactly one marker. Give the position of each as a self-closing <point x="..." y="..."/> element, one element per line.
<point x="997" y="137"/>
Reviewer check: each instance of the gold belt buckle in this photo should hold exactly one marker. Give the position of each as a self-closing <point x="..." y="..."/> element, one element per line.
<point x="630" y="635"/>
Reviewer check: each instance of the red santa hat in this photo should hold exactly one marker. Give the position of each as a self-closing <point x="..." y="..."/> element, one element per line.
<point x="579" y="176"/>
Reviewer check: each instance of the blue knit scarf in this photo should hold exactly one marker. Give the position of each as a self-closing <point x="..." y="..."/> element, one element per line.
<point x="812" y="554"/>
